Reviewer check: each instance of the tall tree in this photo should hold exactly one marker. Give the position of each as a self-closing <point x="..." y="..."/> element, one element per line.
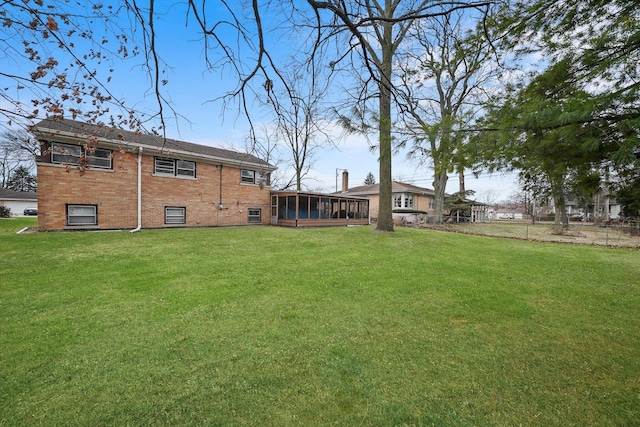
<point x="22" y="180"/>
<point x="443" y="83"/>
<point x="300" y="123"/>
<point x="374" y="35"/>
<point x="17" y="149"/>
<point x="541" y="132"/>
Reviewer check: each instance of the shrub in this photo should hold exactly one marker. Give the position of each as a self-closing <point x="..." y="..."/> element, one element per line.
<point x="5" y="212"/>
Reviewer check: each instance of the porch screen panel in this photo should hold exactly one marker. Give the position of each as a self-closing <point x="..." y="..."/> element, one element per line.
<point x="291" y="207"/>
<point x="303" y="207"/>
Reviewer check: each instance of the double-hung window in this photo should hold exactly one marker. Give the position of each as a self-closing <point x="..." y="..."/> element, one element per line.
<point x="174" y="167"/>
<point x="408" y="201"/>
<point x="70" y="154"/>
<point x="397" y="201"/>
<point x="254" y="177"/>
<point x="175" y="215"/>
<point x="82" y="215"/>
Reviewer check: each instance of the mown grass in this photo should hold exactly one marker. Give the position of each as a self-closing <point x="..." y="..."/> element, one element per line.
<point x="339" y="326"/>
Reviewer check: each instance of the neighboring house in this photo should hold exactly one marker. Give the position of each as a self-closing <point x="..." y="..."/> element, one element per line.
<point x="143" y="181"/>
<point x="405" y="196"/>
<point x="18" y="201"/>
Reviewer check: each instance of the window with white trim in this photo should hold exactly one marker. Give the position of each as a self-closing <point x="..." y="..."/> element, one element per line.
<point x="174" y="167"/>
<point x="82" y="215"/>
<point x="70" y="154"/>
<point x="432" y="203"/>
<point x="255" y="216"/>
<point x="175" y="215"/>
<point x="254" y="177"/>
<point x="397" y="201"/>
<point x="408" y="201"/>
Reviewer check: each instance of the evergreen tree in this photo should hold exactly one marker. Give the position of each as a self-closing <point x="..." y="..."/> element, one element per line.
<point x="370" y="179"/>
<point x="22" y="180"/>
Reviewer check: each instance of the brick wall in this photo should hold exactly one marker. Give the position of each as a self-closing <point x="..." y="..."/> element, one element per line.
<point x="115" y="194"/>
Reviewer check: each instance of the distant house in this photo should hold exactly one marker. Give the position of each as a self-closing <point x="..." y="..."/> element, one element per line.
<point x="506" y="213"/>
<point x="134" y="181"/>
<point x="405" y="197"/>
<point x="18" y="201"/>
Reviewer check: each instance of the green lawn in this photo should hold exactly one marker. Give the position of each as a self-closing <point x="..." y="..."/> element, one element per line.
<point x="267" y="326"/>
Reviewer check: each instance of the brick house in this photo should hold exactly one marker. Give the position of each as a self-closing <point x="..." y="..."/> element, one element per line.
<point x="137" y="181"/>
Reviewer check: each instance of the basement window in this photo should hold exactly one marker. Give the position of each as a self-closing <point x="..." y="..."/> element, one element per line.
<point x="175" y="215"/>
<point x="82" y="215"/>
<point x="254" y="216"/>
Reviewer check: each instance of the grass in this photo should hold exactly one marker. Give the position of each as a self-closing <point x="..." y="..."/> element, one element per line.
<point x="338" y="326"/>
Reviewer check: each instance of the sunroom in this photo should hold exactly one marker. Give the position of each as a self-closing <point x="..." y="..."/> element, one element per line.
<point x="301" y="209"/>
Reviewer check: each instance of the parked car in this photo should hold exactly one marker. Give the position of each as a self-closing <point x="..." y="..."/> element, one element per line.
<point x="30" y="211"/>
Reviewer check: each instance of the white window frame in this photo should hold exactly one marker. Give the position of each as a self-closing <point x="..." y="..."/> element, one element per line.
<point x="408" y="201"/>
<point x="254" y="216"/>
<point x="73" y="217"/>
<point x="174" y="167"/>
<point x="248" y="176"/>
<point x="99" y="158"/>
<point x="397" y="200"/>
<point x="175" y="215"/>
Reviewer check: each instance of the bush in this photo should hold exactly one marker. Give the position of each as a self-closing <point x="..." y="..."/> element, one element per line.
<point x="5" y="212"/>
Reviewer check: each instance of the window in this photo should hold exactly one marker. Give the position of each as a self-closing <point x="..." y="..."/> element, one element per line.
<point x="432" y="201"/>
<point x="397" y="201"/>
<point x="70" y="154"/>
<point x="174" y="215"/>
<point x="82" y="215"/>
<point x="254" y="177"/>
<point x="254" y="216"/>
<point x="408" y="201"/>
<point x="173" y="167"/>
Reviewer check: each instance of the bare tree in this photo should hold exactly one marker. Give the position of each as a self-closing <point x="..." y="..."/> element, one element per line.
<point x="443" y="84"/>
<point x="300" y="125"/>
<point x="374" y="35"/>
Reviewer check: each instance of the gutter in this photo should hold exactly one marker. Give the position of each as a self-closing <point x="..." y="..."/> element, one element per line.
<point x="139" y="192"/>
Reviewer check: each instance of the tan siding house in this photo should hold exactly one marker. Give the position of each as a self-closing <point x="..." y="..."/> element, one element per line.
<point x="404" y="197"/>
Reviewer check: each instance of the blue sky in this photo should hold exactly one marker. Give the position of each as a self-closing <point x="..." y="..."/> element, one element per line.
<point x="194" y="92"/>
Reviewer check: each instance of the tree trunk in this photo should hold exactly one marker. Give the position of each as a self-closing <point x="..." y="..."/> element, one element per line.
<point x="461" y="180"/>
<point x="561" y="221"/>
<point x="439" y="186"/>
<point x="385" y="206"/>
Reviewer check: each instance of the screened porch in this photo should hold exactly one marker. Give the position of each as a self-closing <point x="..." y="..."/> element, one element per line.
<point x="298" y="209"/>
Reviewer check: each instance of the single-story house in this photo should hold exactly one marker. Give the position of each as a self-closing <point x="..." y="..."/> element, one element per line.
<point x="132" y="180"/>
<point x="406" y="197"/>
<point x="18" y="201"/>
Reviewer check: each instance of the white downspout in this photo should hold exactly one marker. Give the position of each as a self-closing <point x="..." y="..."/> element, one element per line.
<point x="139" y="192"/>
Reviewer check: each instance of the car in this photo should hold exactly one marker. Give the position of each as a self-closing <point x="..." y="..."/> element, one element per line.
<point x="30" y="211"/>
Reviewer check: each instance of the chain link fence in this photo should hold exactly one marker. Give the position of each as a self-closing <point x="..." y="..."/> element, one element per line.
<point x="625" y="234"/>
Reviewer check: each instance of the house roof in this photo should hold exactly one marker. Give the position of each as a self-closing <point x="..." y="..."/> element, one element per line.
<point x="6" y="194"/>
<point x="63" y="129"/>
<point x="396" y="187"/>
